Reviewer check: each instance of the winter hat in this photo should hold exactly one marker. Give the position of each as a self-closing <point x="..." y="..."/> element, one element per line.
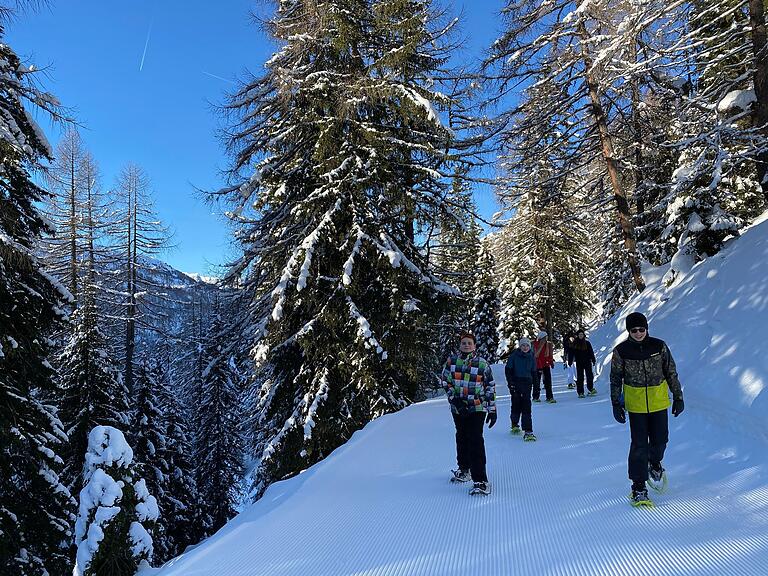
<point x="541" y="335"/>
<point x="524" y="342"/>
<point x="636" y="320"/>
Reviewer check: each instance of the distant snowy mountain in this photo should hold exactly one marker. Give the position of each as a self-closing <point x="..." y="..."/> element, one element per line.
<point x="382" y="504"/>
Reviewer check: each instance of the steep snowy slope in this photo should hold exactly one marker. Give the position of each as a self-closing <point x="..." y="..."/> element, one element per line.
<point x="715" y="320"/>
<point x="382" y="504"/>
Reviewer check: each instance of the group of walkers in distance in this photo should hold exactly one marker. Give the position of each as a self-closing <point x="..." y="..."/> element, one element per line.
<point x="643" y="374"/>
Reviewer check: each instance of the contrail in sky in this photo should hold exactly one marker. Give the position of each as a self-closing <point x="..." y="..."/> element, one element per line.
<point x="146" y="44"/>
<point x="217" y="77"/>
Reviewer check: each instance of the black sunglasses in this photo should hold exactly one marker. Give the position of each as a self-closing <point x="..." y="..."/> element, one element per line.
<point x="637" y="330"/>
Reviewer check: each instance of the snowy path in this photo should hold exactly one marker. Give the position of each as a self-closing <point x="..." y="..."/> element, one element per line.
<point x="382" y="504"/>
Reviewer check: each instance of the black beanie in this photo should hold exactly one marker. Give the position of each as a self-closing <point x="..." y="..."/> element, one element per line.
<point x="636" y="320"/>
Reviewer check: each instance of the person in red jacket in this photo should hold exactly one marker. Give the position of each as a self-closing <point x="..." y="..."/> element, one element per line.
<point x="543" y="351"/>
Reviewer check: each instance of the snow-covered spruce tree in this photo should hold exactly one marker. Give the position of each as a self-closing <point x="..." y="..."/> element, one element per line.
<point x="116" y="513"/>
<point x="181" y="500"/>
<point x="487" y="306"/>
<point x="147" y="434"/>
<point x="337" y="155"/>
<point x="613" y="279"/>
<point x="218" y="444"/>
<point x="455" y="256"/>
<point x="92" y="388"/>
<point x="542" y="262"/>
<point x="35" y="507"/>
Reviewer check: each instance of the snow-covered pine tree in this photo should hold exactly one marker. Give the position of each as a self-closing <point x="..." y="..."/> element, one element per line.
<point x="338" y="150"/>
<point x="218" y="444"/>
<point x="35" y="506"/>
<point x="543" y="258"/>
<point x="116" y="513"/>
<point x="487" y="306"/>
<point x="92" y="388"/>
<point x="148" y="434"/>
<point x="716" y="184"/>
<point x="455" y="255"/>
<point x="180" y="497"/>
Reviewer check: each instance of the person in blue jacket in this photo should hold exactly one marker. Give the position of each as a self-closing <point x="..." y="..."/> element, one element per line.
<point x="520" y="372"/>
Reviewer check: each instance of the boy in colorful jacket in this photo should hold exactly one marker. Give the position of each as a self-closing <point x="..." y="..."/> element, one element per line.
<point x="468" y="381"/>
<point x="642" y="369"/>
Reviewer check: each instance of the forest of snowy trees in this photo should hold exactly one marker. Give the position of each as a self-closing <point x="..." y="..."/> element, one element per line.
<point x="138" y="411"/>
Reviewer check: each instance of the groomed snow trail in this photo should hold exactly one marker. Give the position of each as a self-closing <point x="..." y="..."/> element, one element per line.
<point x="382" y="505"/>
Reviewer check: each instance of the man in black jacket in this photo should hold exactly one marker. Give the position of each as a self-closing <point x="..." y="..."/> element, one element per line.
<point x="642" y="375"/>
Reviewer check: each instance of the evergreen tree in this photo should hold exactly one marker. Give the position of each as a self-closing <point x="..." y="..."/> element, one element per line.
<point x="116" y="512"/>
<point x="219" y="447"/>
<point x="456" y="259"/>
<point x="148" y="436"/>
<point x="93" y="393"/>
<point x="35" y="507"/>
<point x="487" y="306"/>
<point x="181" y="497"/>
<point x="338" y="151"/>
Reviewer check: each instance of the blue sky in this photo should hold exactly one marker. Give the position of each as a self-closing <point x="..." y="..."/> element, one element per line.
<point x="154" y="107"/>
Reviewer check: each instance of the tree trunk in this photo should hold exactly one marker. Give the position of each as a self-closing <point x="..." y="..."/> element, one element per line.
<point x="619" y="195"/>
<point x="72" y="227"/>
<point x="760" y="50"/>
<point x="130" y="331"/>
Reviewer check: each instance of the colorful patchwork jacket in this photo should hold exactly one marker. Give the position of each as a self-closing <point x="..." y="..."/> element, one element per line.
<point x="468" y="381"/>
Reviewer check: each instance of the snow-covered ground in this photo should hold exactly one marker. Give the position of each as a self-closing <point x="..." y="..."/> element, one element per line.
<point x="382" y="504"/>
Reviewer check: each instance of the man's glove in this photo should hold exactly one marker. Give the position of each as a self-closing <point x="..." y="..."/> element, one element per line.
<point x="677" y="407"/>
<point x="618" y="414"/>
<point x="491" y="419"/>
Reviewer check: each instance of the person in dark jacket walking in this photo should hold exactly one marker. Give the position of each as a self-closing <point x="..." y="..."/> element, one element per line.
<point x="568" y="366"/>
<point x="468" y="380"/>
<point x="583" y="356"/>
<point x="643" y="371"/>
<point x="543" y="352"/>
<point x="520" y="372"/>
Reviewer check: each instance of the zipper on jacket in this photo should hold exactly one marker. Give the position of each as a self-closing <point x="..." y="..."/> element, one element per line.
<point x="645" y="371"/>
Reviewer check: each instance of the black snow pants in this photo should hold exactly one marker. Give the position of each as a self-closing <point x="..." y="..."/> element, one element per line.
<point x="650" y="434"/>
<point x="581" y="370"/>
<point x="547" y="374"/>
<point x="470" y="445"/>
<point x="520" y="390"/>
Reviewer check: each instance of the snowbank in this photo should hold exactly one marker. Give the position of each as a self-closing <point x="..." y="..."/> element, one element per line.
<point x="714" y="318"/>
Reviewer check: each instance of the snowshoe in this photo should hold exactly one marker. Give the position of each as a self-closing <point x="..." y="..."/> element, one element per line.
<point x="529" y="437"/>
<point x="480" y="489"/>
<point x="461" y="476"/>
<point x="581" y="395"/>
<point x="593" y="392"/>
<point x="657" y="478"/>
<point x="515" y="430"/>
<point x="571" y="385"/>
<point x="639" y="497"/>
<point x="537" y="400"/>
<point x="551" y="401"/>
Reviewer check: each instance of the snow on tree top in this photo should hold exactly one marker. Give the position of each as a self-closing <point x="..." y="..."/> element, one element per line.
<point x="107" y="446"/>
